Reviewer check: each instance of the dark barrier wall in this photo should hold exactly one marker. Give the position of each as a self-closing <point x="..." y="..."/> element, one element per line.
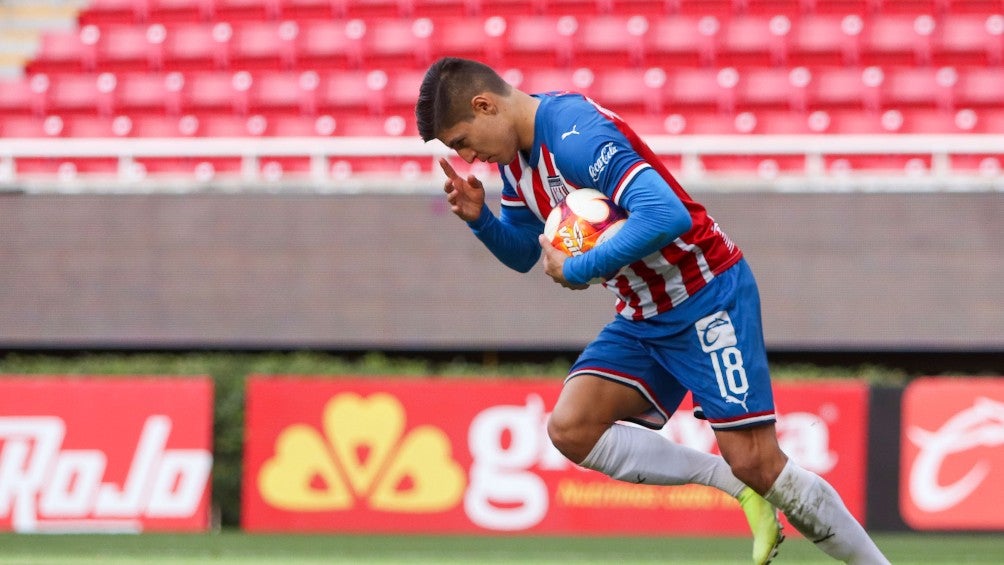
<point x="868" y="271"/>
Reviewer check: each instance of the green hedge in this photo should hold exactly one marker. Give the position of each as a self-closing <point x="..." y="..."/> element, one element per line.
<point x="229" y="371"/>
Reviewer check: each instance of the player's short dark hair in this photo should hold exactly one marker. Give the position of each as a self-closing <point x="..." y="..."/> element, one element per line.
<point x="446" y="91"/>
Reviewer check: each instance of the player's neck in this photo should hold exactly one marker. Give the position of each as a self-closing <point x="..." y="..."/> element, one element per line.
<point x="524" y="109"/>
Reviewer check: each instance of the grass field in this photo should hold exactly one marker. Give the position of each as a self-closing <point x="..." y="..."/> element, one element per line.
<point x="238" y="548"/>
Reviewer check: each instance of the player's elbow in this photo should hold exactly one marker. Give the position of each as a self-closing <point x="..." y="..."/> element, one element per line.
<point x="681" y="224"/>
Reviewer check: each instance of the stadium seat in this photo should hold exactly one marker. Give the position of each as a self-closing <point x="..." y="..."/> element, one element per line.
<point x="115" y="11"/>
<point x="130" y="47"/>
<point x="919" y="87"/>
<point x="544" y="41"/>
<point x="773" y="88"/>
<point x="153" y="93"/>
<point x="67" y="51"/>
<point x="353" y="91"/>
<point x="611" y="40"/>
<point x="22" y="96"/>
<point x="845" y="88"/>
<point x="391" y="43"/>
<point x="286" y="91"/>
<point x="197" y="46"/>
<point x="630" y="90"/>
<point x="264" y="45"/>
<point x="219" y="92"/>
<point x="402" y="91"/>
<point x="755" y="40"/>
<point x="971" y="39"/>
<point x="901" y="39"/>
<point x="84" y="93"/>
<point x="682" y="40"/>
<point x="981" y="87"/>
<point x="825" y="39"/>
<point x="331" y="43"/>
<point x="375" y="9"/>
<point x="31" y="126"/>
<point x="702" y="89"/>
<point x="473" y="38"/>
<point x="241" y="10"/>
<point x="185" y="11"/>
<point x="790" y="8"/>
<point x="446" y="8"/>
<point x="537" y="80"/>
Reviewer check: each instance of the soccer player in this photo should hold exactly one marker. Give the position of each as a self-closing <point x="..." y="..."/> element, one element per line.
<point x="688" y="309"/>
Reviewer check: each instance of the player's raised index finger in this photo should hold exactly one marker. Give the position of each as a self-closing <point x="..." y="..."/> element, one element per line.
<point x="448" y="168"/>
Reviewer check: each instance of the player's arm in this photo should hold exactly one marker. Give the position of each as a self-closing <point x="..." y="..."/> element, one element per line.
<point x="656" y="216"/>
<point x="512" y="237"/>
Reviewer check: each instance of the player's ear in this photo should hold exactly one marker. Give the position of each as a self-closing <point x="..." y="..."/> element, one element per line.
<point x="483" y="104"/>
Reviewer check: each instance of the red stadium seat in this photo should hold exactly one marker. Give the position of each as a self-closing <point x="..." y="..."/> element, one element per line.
<point x="82" y="93"/>
<point x="220" y="92"/>
<point x="631" y="90"/>
<point x="536" y="80"/>
<point x="845" y="87"/>
<point x="68" y="51"/>
<point x="402" y="90"/>
<point x="290" y="92"/>
<point x="269" y="45"/>
<point x="683" y="40"/>
<point x="611" y="40"/>
<point x="755" y="39"/>
<point x="197" y="46"/>
<point x="331" y="43"/>
<point x="539" y="41"/>
<point x="904" y="39"/>
<point x="116" y="11"/>
<point x="473" y="38"/>
<point x="24" y="95"/>
<point x="773" y="87"/>
<point x="357" y="91"/>
<point x="149" y="93"/>
<point x="981" y="87"/>
<point x="702" y="89"/>
<point x="390" y="43"/>
<point x="968" y="39"/>
<point x="828" y="39"/>
<point x="919" y="87"/>
<point x="130" y="47"/>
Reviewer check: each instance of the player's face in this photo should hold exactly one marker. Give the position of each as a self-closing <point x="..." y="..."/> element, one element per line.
<point x="487" y="137"/>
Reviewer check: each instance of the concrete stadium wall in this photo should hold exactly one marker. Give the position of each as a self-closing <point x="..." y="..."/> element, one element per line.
<point x="863" y="271"/>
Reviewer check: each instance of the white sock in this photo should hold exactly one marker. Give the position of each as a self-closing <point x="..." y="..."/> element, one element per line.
<point x="816" y="510"/>
<point x="636" y="455"/>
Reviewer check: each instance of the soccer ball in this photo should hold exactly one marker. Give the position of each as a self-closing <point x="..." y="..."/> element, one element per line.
<point x="583" y="220"/>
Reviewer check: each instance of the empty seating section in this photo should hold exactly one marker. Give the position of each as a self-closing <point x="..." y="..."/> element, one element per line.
<point x="161" y="68"/>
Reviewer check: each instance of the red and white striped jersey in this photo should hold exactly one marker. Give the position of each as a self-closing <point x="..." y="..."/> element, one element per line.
<point x="579" y="144"/>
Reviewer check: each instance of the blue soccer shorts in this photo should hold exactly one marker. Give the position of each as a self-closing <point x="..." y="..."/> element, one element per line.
<point x="711" y="345"/>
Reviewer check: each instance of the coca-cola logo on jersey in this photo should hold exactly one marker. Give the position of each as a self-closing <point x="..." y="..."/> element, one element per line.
<point x="953" y="431"/>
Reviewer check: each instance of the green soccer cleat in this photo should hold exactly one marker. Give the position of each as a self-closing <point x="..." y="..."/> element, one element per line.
<point x="766" y="528"/>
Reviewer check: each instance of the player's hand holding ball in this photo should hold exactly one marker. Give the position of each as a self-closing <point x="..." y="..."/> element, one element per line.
<point x="581" y="221"/>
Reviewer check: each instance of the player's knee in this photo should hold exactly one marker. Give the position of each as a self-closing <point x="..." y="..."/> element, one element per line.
<point x="570" y="436"/>
<point x="755" y="472"/>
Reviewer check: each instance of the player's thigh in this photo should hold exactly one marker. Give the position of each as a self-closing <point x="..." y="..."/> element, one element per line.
<point x="624" y="381"/>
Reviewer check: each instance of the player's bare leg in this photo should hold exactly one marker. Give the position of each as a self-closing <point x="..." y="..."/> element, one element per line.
<point x="812" y="506"/>
<point x="583" y="427"/>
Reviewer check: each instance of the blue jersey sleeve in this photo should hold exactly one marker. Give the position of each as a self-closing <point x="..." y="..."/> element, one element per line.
<point x="511" y="237"/>
<point x="656" y="217"/>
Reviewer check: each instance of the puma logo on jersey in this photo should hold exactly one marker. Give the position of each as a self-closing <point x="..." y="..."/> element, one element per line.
<point x="572" y="131"/>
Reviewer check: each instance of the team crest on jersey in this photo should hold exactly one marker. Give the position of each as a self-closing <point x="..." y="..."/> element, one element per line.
<point x="556" y="189"/>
